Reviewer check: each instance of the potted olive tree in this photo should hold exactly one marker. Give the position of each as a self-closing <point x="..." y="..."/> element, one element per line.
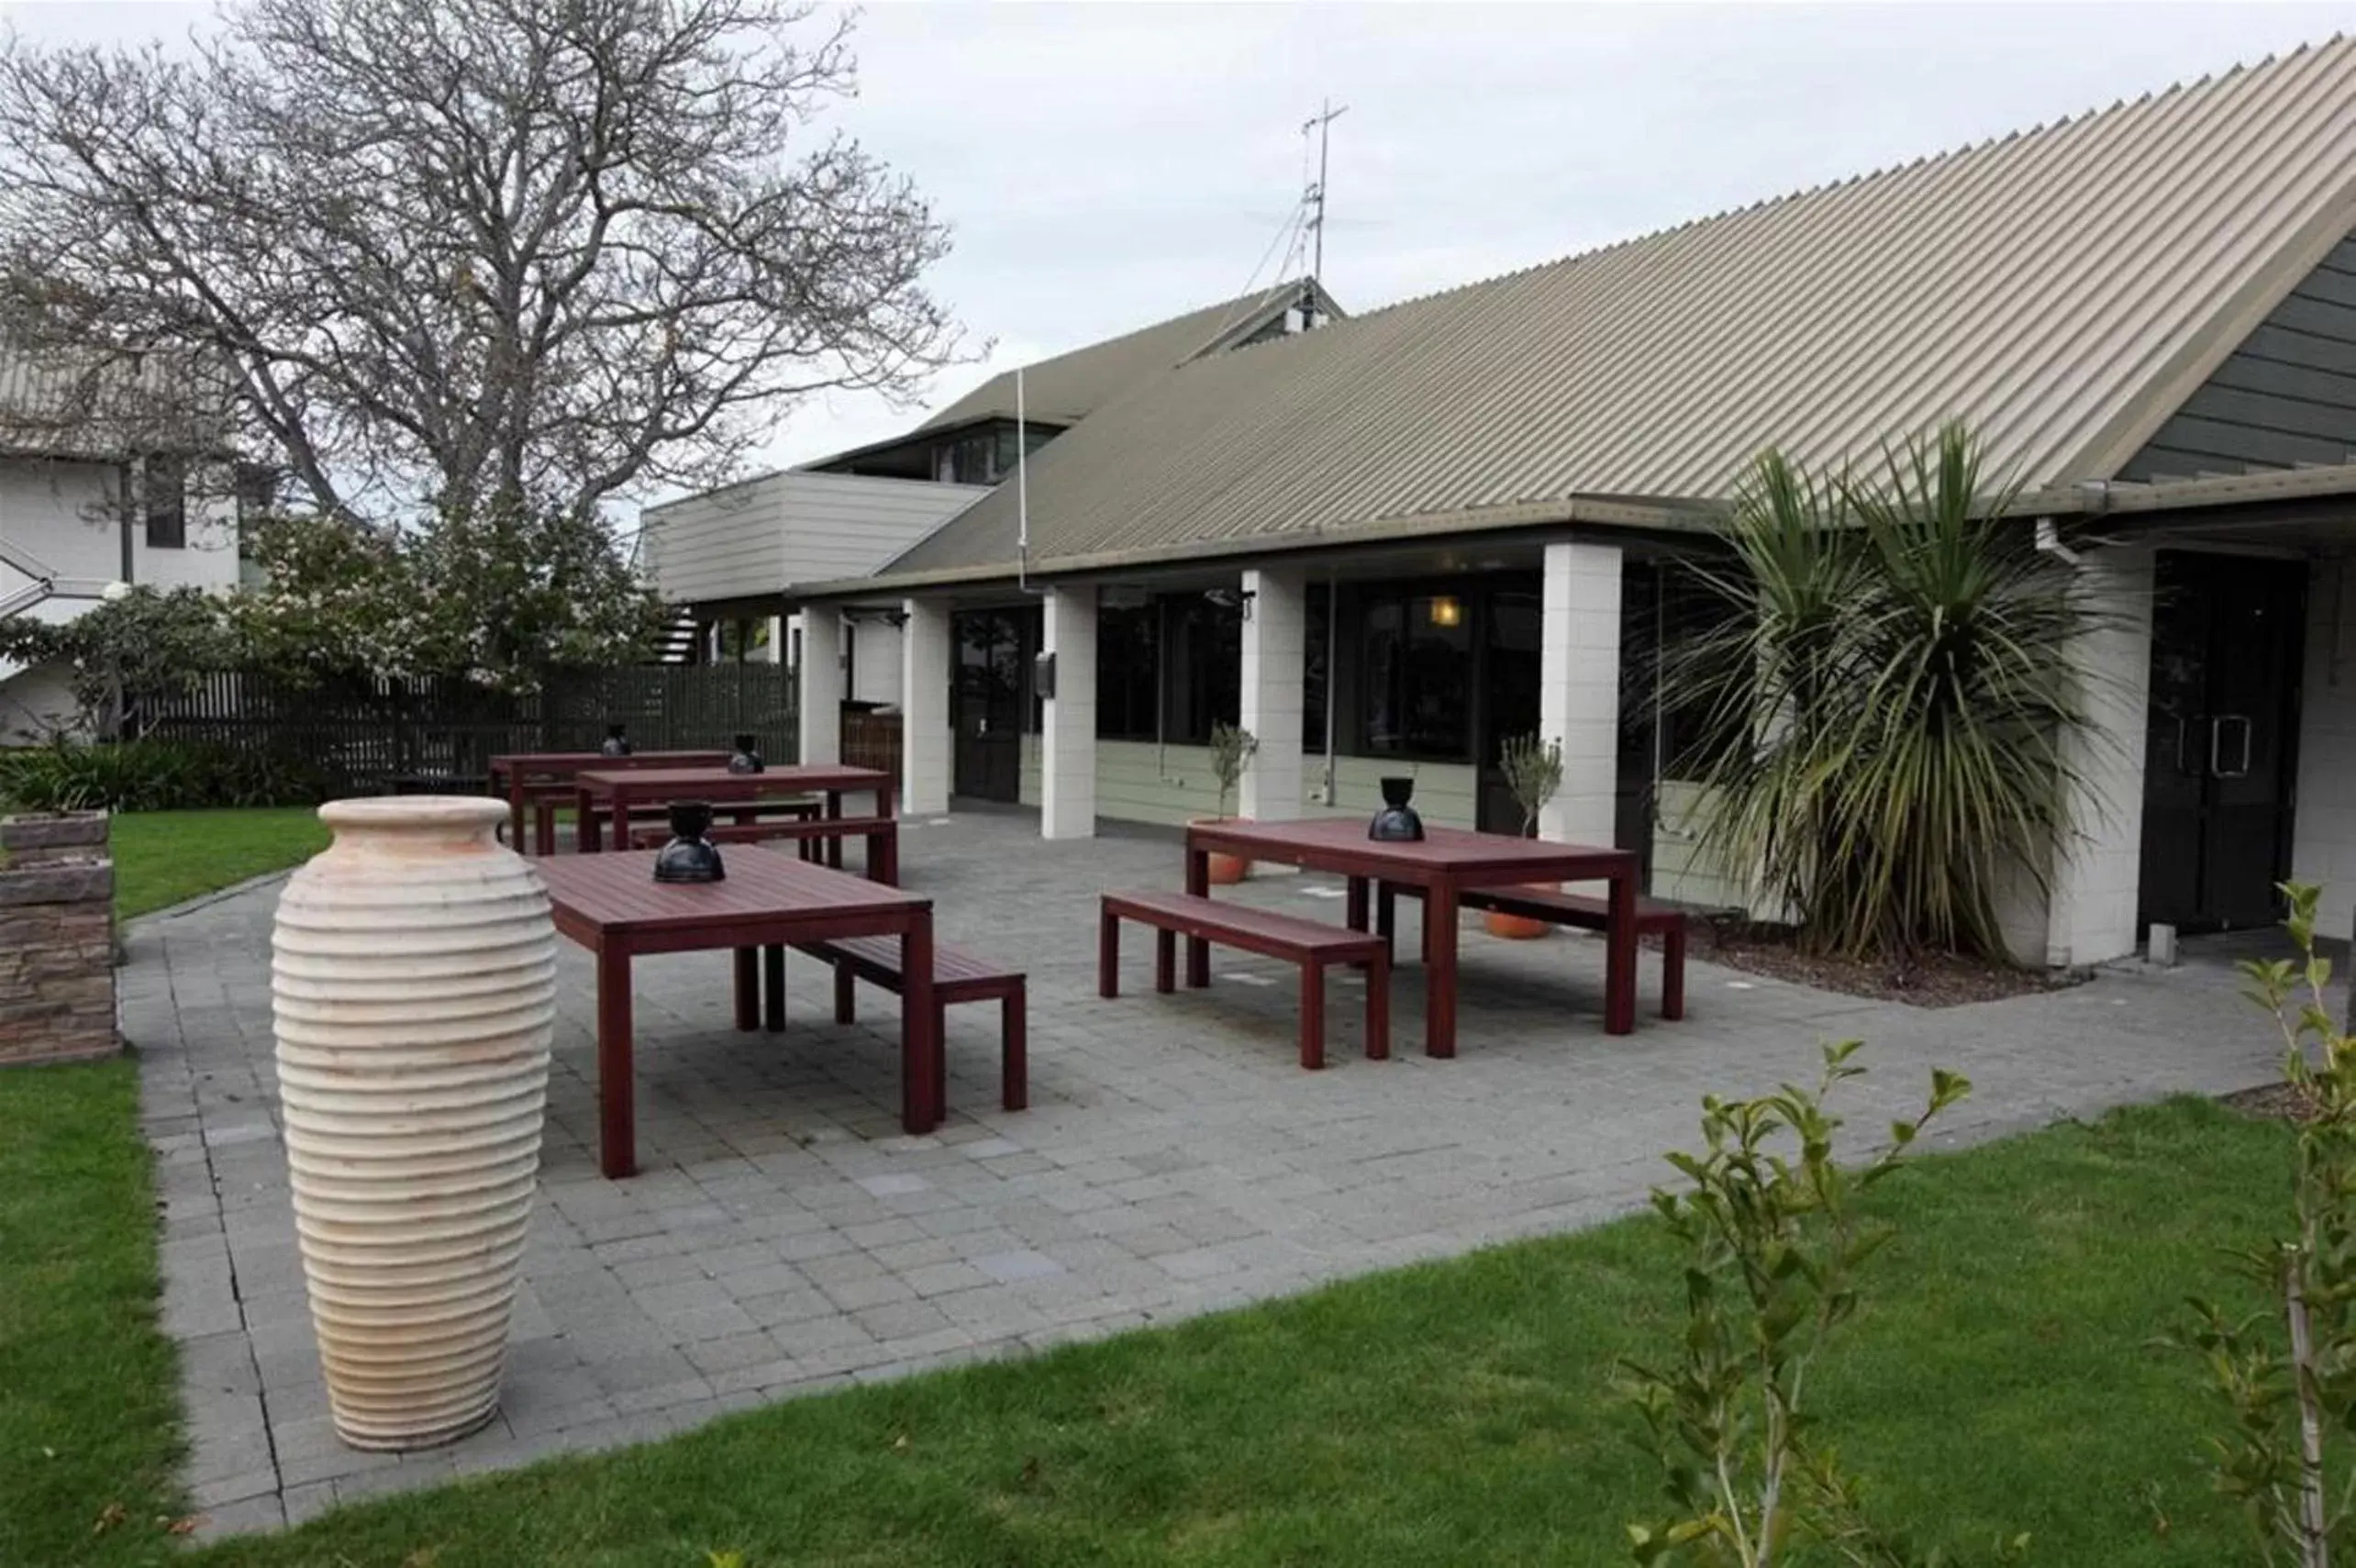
<point x="1533" y="770"/>
<point x="1231" y="749"/>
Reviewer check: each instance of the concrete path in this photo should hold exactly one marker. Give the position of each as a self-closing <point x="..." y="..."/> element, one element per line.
<point x="785" y="1237"/>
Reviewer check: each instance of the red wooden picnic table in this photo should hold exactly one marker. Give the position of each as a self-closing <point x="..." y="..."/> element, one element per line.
<point x="1445" y="862"/>
<point x="611" y="905"/>
<point x="543" y="779"/>
<point x="613" y="794"/>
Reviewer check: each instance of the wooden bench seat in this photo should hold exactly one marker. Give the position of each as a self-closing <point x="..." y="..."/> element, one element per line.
<point x="958" y="976"/>
<point x="1310" y="944"/>
<point x="1587" y="912"/>
<point x="812" y="832"/>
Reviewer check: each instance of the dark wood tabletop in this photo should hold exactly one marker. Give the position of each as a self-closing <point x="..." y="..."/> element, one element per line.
<point x="1444" y="862"/>
<point x="543" y="779"/>
<point x="604" y="793"/>
<point x="611" y="905"/>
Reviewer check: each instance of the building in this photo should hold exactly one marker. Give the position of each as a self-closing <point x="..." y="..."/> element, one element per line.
<point x="98" y="488"/>
<point x="1388" y="543"/>
<point x="726" y="556"/>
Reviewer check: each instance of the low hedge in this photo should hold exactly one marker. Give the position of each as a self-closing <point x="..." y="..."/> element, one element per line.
<point x="154" y="775"/>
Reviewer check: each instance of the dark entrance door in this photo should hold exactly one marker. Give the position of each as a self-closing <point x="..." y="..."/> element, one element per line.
<point x="1507" y="700"/>
<point x="991" y="699"/>
<point x="2219" y="755"/>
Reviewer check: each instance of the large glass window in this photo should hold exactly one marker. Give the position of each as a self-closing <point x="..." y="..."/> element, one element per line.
<point x="1129" y="671"/>
<point x="1203" y="668"/>
<point x="167" y="503"/>
<point x="1416" y="675"/>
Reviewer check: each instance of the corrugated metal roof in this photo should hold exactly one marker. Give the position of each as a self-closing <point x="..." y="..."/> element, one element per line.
<point x="1069" y="387"/>
<point x="72" y="406"/>
<point x="2063" y="288"/>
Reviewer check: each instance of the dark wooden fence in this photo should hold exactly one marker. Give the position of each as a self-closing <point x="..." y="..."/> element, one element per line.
<point x="870" y="740"/>
<point x="378" y="735"/>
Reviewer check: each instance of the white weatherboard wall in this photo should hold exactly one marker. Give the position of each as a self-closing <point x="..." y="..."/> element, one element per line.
<point x="1578" y="699"/>
<point x="2091" y="906"/>
<point x="2323" y="838"/>
<point x="874" y="661"/>
<point x="64" y="516"/>
<point x="1067" y="806"/>
<point x="755" y="538"/>
<point x="925" y="739"/>
<point x="1137" y="781"/>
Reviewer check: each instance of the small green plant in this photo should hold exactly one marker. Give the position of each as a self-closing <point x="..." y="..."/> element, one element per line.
<point x="1231" y="750"/>
<point x="1533" y="770"/>
<point x="1775" y="1244"/>
<point x="154" y="775"/>
<point x="2288" y="1373"/>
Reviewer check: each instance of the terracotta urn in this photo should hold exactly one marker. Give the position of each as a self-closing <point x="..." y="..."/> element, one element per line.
<point x="414" y="983"/>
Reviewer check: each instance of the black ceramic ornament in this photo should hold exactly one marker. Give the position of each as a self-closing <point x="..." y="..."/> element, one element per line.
<point x="1397" y="822"/>
<point x="689" y="857"/>
<point x="616" y="744"/>
<point x="744" y="759"/>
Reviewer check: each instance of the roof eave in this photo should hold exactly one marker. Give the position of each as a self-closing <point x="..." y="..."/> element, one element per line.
<point x="1671" y="514"/>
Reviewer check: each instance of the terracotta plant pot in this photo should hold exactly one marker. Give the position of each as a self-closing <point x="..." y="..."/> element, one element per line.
<point x="1226" y="870"/>
<point x="1513" y="928"/>
<point x="414" y="986"/>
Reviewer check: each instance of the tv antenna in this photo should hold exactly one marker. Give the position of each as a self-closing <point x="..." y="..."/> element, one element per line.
<point x="1314" y="198"/>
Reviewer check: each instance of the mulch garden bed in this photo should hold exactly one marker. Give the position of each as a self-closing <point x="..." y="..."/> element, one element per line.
<point x="1938" y="980"/>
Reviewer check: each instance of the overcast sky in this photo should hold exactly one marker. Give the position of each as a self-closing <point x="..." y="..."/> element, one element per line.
<point x="1106" y="166"/>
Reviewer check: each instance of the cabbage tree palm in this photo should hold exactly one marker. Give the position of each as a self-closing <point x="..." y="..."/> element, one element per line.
<point x="1887" y="700"/>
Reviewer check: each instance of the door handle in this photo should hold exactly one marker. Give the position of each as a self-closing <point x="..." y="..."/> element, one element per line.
<point x="2241" y="768"/>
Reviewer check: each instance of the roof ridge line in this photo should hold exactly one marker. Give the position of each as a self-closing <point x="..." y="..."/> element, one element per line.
<point x="2042" y="128"/>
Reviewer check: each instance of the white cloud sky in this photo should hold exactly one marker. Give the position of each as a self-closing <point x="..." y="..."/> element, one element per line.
<point x="1109" y="166"/>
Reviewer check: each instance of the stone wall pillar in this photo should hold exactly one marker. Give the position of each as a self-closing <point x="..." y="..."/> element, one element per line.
<point x="2099" y="864"/>
<point x="1067" y="773"/>
<point x="1579" y="676"/>
<point x="926" y="748"/>
<point x="56" y="940"/>
<point x="819" y="679"/>
<point x="1275" y="638"/>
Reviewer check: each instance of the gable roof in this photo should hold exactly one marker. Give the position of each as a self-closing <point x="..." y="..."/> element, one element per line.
<point x="1069" y="387"/>
<point x="2063" y="288"/>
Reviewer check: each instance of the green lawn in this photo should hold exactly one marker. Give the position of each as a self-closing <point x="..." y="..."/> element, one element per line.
<point x="2000" y="1380"/>
<point x="162" y="857"/>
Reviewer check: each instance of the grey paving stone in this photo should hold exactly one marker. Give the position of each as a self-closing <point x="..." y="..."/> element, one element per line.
<point x="786" y="1238"/>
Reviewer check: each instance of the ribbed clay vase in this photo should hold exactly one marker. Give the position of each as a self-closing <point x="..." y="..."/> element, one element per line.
<point x="414" y="977"/>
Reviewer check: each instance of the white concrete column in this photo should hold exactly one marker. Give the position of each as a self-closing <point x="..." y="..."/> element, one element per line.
<point x="1067" y="760"/>
<point x="1276" y="633"/>
<point x="925" y="739"/>
<point x="2091" y="903"/>
<point x="819" y="678"/>
<point x="1578" y="703"/>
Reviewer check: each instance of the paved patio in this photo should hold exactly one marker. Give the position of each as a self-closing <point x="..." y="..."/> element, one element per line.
<point x="785" y="1236"/>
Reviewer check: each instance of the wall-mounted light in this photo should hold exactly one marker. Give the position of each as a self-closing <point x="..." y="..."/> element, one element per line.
<point x="1447" y="611"/>
<point x="1231" y="599"/>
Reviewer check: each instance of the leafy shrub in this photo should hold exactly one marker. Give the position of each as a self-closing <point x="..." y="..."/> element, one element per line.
<point x="153" y="775"/>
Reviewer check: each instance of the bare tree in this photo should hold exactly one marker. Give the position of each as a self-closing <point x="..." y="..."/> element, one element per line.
<point x="453" y="252"/>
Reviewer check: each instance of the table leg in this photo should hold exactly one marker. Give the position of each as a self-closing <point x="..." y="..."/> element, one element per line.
<point x="515" y="814"/>
<point x="1355" y="908"/>
<point x="1312" y="989"/>
<point x="1619" y="958"/>
<point x="920" y="1051"/>
<point x="884" y="853"/>
<point x="617" y="1111"/>
<point x="748" y="988"/>
<point x="772" y="987"/>
<point x="834" y="842"/>
<point x="585" y="823"/>
<point x="621" y="820"/>
<point x="1198" y="950"/>
<point x="1386" y="918"/>
<point x="1108" y="954"/>
<point x="1378" y="1009"/>
<point x="1440" y="959"/>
